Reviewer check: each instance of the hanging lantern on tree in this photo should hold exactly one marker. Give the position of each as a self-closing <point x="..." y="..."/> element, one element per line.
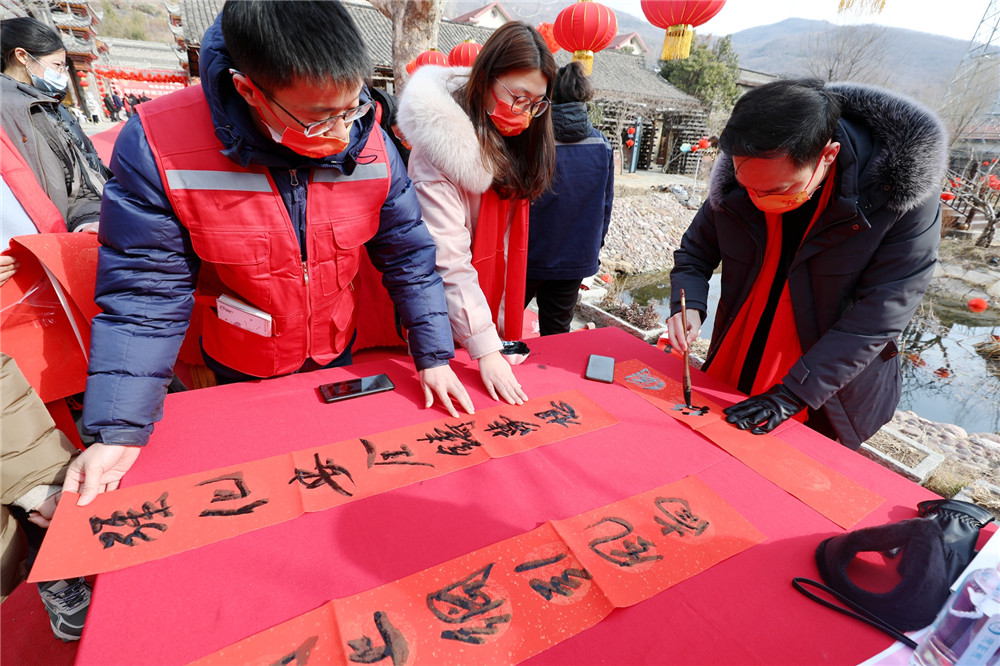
<point x="546" y="30"/>
<point x="464" y="54"/>
<point x="631" y="131"/>
<point x="584" y="28"/>
<point x="630" y="143"/>
<point x="679" y="18"/>
<point x="703" y="143"/>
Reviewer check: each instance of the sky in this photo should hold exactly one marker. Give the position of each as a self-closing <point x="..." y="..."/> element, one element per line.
<point x="958" y="18"/>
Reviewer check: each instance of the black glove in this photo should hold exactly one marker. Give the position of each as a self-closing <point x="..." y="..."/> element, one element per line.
<point x="766" y="411"/>
<point x="960" y="524"/>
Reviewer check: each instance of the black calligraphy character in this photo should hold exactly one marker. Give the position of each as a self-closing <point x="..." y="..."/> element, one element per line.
<point x="324" y="474"/>
<point x="301" y="655"/>
<point x="134" y="519"/>
<point x="467" y="601"/>
<point x="560" y="414"/>
<point x="394" y="645"/>
<point x="691" y="410"/>
<point x="645" y="379"/>
<point x="631" y="553"/>
<point x="390" y="457"/>
<point x="242" y="490"/>
<point x="561" y="585"/>
<point x="681" y="520"/>
<point x="507" y="427"/>
<point x="458" y="432"/>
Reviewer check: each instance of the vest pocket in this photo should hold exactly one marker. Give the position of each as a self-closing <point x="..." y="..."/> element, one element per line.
<point x="241" y="260"/>
<point x="338" y="249"/>
<point x="239" y="349"/>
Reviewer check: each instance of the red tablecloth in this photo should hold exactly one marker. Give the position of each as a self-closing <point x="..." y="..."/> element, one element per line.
<point x="741" y="611"/>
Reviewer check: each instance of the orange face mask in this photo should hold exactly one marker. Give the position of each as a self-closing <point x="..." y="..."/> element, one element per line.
<point x="505" y="120"/>
<point x="308" y="146"/>
<point x="783" y="203"/>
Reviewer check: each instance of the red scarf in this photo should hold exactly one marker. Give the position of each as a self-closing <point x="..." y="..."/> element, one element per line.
<point x="782" y="348"/>
<point x="501" y="268"/>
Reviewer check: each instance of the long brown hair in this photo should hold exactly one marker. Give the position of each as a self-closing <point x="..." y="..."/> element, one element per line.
<point x="522" y="165"/>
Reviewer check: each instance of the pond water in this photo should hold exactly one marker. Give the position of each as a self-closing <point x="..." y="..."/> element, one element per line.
<point x="945" y="378"/>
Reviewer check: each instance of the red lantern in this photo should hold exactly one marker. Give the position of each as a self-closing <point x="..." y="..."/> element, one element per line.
<point x="978" y="304"/>
<point x="703" y="143"/>
<point x="545" y="29"/>
<point x="630" y="143"/>
<point x="631" y="131"/>
<point x="986" y="163"/>
<point x="679" y="18"/>
<point x="84" y="83"/>
<point x="583" y="28"/>
<point x="947" y="196"/>
<point x="694" y="148"/>
<point x="429" y="57"/>
<point x="464" y="54"/>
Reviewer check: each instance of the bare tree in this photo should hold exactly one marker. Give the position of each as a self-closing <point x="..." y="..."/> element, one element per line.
<point x="415" y="26"/>
<point x="970" y="98"/>
<point x="977" y="195"/>
<point x="851" y="53"/>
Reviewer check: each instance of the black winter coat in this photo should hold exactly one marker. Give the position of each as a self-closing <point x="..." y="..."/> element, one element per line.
<point x="861" y="271"/>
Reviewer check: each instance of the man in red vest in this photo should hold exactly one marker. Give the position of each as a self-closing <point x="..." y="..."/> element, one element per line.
<point x="251" y="197"/>
<point x="823" y="211"/>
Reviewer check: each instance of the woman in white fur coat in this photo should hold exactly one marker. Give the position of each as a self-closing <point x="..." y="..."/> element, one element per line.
<point x="482" y="150"/>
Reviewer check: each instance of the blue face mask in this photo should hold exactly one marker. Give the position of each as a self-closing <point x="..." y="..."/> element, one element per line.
<point x="52" y="82"/>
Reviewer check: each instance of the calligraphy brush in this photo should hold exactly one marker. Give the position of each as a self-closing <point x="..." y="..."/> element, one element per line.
<point x="687" y="353"/>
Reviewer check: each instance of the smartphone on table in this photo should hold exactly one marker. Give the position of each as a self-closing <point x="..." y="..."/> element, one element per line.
<point x="354" y="388"/>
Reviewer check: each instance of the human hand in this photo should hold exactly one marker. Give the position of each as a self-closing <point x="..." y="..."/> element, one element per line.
<point x="8" y="266"/>
<point x="766" y="411"/>
<point x="442" y="382"/>
<point x="42" y="514"/>
<point x="89" y="228"/>
<point x="99" y="469"/>
<point x="679" y="339"/>
<point x="499" y="379"/>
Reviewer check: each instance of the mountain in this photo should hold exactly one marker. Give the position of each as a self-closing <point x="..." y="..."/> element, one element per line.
<point x="914" y="63"/>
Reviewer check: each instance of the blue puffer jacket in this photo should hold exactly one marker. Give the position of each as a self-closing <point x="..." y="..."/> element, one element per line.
<point x="147" y="270"/>
<point x="569" y="222"/>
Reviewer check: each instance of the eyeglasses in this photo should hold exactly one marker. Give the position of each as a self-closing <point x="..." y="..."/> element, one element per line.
<point x="323" y="126"/>
<point x="520" y="103"/>
<point x="59" y="68"/>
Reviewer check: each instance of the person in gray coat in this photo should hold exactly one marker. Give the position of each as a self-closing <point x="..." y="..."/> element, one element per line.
<point x="33" y="85"/>
<point x="824" y="213"/>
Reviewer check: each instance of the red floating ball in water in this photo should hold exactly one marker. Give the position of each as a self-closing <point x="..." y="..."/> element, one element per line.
<point x="978" y="304"/>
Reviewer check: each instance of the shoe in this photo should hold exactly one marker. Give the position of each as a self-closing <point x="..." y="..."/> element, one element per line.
<point x="67" y="602"/>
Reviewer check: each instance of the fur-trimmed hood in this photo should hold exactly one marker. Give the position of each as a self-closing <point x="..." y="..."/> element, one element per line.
<point x="435" y="125"/>
<point x="910" y="147"/>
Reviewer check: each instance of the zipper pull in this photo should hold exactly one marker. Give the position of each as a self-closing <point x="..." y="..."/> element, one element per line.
<point x="293" y="177"/>
<point x="305" y="273"/>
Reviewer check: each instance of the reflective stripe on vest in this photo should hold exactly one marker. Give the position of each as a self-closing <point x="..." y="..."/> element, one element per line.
<point x="192" y="179"/>
<point x="241" y="231"/>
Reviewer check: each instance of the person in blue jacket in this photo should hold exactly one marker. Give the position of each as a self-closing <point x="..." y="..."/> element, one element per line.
<point x="231" y="189"/>
<point x="569" y="222"/>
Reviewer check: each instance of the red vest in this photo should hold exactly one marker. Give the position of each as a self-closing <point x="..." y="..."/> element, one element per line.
<point x="241" y="231"/>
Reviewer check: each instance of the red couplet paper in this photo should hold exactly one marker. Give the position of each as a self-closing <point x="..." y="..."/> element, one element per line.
<point x="147" y="522"/>
<point x="832" y="494"/>
<point x="36" y="328"/>
<point x="134" y="525"/>
<point x="507" y="602"/>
